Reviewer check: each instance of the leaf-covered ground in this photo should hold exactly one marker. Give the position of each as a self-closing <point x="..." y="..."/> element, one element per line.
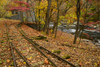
<point x="85" y="54"/>
<point x="26" y="49"/>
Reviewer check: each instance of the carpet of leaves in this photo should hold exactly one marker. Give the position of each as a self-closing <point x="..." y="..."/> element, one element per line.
<point x="85" y="54"/>
<point x="26" y="49"/>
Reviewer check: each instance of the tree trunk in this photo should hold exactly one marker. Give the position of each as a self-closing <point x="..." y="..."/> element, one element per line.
<point x="54" y="28"/>
<point x="82" y="28"/>
<point x="57" y="18"/>
<point x="39" y="17"/>
<point x="47" y="17"/>
<point x="46" y="26"/>
<point x="78" y="18"/>
<point x="27" y="13"/>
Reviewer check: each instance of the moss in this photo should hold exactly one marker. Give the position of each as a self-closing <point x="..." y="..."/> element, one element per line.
<point x="4" y="44"/>
<point x="66" y="56"/>
<point x="56" y="51"/>
<point x="12" y="63"/>
<point x="38" y="63"/>
<point x="2" y="54"/>
<point x="2" y="41"/>
<point x="40" y="38"/>
<point x="0" y="61"/>
<point x="65" y="42"/>
<point x="46" y="40"/>
<point x="4" y="61"/>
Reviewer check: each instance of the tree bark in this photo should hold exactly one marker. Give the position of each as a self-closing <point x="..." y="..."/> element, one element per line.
<point x="57" y="18"/>
<point x="47" y="17"/>
<point x="39" y="17"/>
<point x="27" y="13"/>
<point x="78" y="18"/>
<point x="82" y="27"/>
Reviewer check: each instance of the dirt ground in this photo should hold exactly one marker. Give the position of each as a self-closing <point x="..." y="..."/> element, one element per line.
<point x="85" y="54"/>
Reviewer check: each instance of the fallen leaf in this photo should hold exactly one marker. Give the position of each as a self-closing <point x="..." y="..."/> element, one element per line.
<point x="99" y="57"/>
<point x="29" y="58"/>
<point x="24" y="62"/>
<point x="46" y="61"/>
<point x="9" y="49"/>
<point x="69" y="59"/>
<point x="87" y="62"/>
<point x="81" y="63"/>
<point x="38" y="56"/>
<point x="8" y="60"/>
<point x="61" y="48"/>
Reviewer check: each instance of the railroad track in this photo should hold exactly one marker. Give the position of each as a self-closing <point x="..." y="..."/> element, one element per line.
<point x="12" y="47"/>
<point x="46" y="53"/>
<point x="18" y="52"/>
<point x="43" y="50"/>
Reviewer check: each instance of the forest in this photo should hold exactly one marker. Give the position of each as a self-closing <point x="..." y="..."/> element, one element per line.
<point x="49" y="33"/>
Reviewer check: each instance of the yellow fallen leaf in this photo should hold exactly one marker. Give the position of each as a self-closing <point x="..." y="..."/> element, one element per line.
<point x="87" y="62"/>
<point x="99" y="57"/>
<point x="8" y="49"/>
<point x="95" y="64"/>
<point x="29" y="58"/>
<point x="24" y="62"/>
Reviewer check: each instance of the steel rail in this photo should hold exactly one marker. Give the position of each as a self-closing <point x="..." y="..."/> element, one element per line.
<point x="23" y="57"/>
<point x="35" y="44"/>
<point x="13" y="56"/>
<point x="12" y="47"/>
<point x="12" y="51"/>
<point x="37" y="48"/>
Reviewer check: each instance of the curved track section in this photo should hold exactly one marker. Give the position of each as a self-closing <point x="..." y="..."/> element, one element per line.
<point x="42" y="49"/>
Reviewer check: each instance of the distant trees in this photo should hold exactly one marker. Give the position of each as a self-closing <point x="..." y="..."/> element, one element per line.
<point x="46" y="11"/>
<point x="89" y="13"/>
<point x="3" y="8"/>
<point x="55" y="11"/>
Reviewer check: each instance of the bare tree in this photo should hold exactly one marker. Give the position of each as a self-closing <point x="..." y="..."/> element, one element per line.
<point x="78" y="18"/>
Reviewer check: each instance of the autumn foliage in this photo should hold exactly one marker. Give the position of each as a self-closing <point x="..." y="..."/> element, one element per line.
<point x="20" y="6"/>
<point x="92" y="23"/>
<point x="21" y="2"/>
<point x="87" y="35"/>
